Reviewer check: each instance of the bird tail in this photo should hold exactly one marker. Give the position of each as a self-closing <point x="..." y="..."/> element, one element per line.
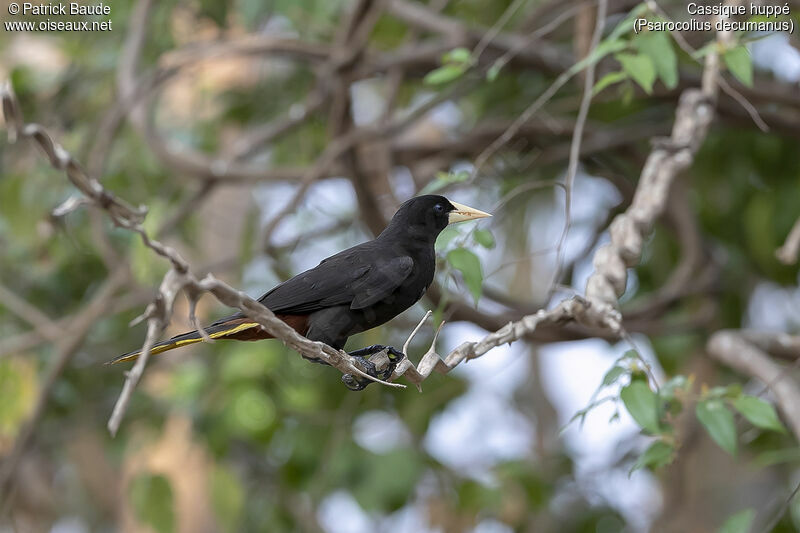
<point x="224" y="328"/>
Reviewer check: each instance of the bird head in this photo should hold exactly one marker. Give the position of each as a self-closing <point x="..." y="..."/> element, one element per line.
<point x="432" y="213"/>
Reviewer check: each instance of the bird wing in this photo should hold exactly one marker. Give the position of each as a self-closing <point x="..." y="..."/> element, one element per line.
<point x="339" y="280"/>
<point x="382" y="279"/>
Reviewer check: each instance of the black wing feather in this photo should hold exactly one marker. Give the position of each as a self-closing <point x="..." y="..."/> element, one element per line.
<point x="382" y="280"/>
<point x="359" y="277"/>
<point x="318" y="288"/>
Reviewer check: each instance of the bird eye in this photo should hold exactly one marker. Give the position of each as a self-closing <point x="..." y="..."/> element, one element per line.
<point x="438" y="208"/>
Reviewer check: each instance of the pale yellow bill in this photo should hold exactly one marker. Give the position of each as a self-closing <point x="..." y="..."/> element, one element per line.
<point x="464" y="212"/>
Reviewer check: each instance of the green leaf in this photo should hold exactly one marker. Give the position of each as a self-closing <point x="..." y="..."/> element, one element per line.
<point x="458" y="55"/>
<point x="216" y="11"/>
<point x="453" y="177"/>
<point x="18" y="389"/>
<point x="444" y="74"/>
<point x="705" y="50"/>
<point x="673" y="392"/>
<point x="251" y="410"/>
<point x="718" y="421"/>
<point x="242" y="363"/>
<point x="438" y="313"/>
<point x="624" y="26"/>
<point x="739" y="523"/>
<point x="189" y="383"/>
<point x="384" y="481"/>
<point x="739" y="63"/>
<point x="759" y="413"/>
<point x="227" y="498"/>
<point x="484" y="237"/>
<point x="446" y="237"/>
<point x="729" y="392"/>
<point x="675" y="384"/>
<point x="469" y="265"/>
<point x="612" y="43"/>
<point x="776" y="457"/>
<point x="152" y="502"/>
<point x="433" y="186"/>
<point x="657" y="455"/>
<point x="493" y="71"/>
<point x="613" y="375"/>
<point x="642" y="404"/>
<point x="608" y="46"/>
<point x="640" y="68"/>
<point x="145" y="269"/>
<point x="657" y="45"/>
<point x="609" y="79"/>
<point x="631" y="355"/>
<point x="443" y="179"/>
<point x="733" y="391"/>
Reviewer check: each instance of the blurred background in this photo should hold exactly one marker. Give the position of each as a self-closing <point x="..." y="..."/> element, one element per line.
<point x="266" y="135"/>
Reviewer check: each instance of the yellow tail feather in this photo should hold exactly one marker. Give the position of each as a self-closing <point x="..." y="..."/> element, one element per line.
<point x="184" y="342"/>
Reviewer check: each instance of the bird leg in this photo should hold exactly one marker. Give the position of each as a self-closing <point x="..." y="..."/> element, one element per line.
<point x="378" y="361"/>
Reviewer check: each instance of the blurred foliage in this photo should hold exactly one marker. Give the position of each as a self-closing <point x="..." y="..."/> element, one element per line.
<point x="19" y="384"/>
<point x="272" y="436"/>
<point x="152" y="501"/>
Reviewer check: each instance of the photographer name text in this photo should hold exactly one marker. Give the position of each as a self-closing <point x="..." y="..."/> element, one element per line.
<point x="58" y="9"/>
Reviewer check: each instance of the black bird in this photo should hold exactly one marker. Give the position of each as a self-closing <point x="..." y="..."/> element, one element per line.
<point x="354" y="290"/>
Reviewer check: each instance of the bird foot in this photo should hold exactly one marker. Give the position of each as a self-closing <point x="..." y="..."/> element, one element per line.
<point x="392" y="353"/>
<point x="380" y="362"/>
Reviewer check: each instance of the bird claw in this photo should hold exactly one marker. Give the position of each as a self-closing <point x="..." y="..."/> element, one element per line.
<point x="374" y="365"/>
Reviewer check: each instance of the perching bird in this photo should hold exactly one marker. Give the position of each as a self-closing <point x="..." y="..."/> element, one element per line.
<point x="354" y="290"/>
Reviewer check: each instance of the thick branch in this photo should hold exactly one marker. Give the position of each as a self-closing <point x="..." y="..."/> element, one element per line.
<point x="667" y="159"/>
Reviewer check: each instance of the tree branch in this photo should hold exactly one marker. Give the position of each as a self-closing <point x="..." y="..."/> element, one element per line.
<point x="597" y="310"/>
<point x="730" y="348"/>
<point x="667" y="159"/>
<point x="179" y="277"/>
<point x="787" y="254"/>
<point x="65" y="351"/>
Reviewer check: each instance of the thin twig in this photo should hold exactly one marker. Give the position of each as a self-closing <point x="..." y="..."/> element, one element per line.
<point x="577" y="137"/>
<point x="781" y="510"/>
<point x="416" y="329"/>
<point x="787" y="254"/>
<point x="30" y="314"/>
<point x="489" y="36"/>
